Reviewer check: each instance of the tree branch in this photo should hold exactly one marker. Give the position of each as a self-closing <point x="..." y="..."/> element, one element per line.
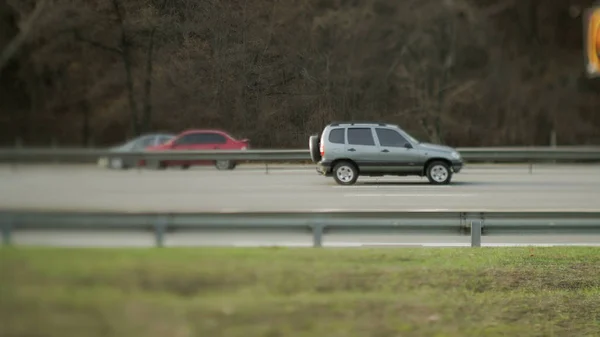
<point x="115" y="50"/>
<point x="147" y="100"/>
<point x="16" y="43"/>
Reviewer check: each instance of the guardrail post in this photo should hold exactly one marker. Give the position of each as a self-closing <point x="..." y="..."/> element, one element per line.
<point x="317" y="230"/>
<point x="6" y="231"/>
<point x="138" y="165"/>
<point x="530" y="167"/>
<point x="476" y="233"/>
<point x="15" y="161"/>
<point x="54" y="145"/>
<point x="159" y="231"/>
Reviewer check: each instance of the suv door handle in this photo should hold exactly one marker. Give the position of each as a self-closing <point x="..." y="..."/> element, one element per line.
<point x="351" y="150"/>
<point x="385" y="150"/>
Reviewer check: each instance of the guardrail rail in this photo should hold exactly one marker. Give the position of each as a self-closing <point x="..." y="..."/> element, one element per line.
<point x="319" y="224"/>
<point x="485" y="154"/>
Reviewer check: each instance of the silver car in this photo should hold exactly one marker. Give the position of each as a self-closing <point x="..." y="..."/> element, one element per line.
<point x="347" y="150"/>
<point x="136" y="144"/>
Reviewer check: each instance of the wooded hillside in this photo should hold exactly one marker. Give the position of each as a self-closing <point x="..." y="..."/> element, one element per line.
<point x="461" y="72"/>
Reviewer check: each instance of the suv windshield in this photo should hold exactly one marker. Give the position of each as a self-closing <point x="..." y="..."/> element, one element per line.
<point x="412" y="139"/>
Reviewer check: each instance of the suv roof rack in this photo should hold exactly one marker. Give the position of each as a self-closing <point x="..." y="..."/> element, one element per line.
<point x="358" y="122"/>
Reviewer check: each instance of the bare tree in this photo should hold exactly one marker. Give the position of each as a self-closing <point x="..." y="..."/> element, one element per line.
<point x="464" y="72"/>
<point x="26" y="27"/>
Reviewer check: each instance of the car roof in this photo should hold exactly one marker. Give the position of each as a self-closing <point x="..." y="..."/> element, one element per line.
<point x="149" y="135"/>
<point x="203" y="130"/>
<point x="360" y="123"/>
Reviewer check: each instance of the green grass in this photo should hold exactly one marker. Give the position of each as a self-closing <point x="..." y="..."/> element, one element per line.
<point x="300" y="292"/>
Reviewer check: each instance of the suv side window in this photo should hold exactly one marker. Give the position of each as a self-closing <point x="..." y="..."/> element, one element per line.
<point x="336" y="136"/>
<point x="360" y="136"/>
<point x="388" y="137"/>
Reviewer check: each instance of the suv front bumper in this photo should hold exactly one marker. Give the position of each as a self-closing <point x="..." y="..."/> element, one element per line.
<point x="457" y="166"/>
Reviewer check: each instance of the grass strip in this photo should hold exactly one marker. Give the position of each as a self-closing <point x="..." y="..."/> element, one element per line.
<point x="549" y="291"/>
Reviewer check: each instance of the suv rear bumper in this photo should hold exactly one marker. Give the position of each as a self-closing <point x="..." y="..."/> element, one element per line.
<point x="324" y="168"/>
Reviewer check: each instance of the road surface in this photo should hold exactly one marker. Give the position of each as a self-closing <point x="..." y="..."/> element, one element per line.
<point x="250" y="188"/>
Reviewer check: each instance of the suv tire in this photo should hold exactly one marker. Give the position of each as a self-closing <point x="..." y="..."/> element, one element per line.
<point x="439" y="173"/>
<point x="345" y="173"/>
<point x="313" y="145"/>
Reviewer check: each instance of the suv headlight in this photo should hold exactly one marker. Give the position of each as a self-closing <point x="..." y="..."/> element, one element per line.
<point x="455" y="155"/>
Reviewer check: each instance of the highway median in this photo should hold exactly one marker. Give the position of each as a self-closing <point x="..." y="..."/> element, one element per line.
<point x="548" y="291"/>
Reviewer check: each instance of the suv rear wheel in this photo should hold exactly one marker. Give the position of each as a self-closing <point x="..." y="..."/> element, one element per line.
<point x="345" y="173"/>
<point x="438" y="172"/>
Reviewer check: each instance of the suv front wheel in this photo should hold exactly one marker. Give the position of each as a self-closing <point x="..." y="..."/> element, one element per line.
<point x="345" y="173"/>
<point x="438" y="172"/>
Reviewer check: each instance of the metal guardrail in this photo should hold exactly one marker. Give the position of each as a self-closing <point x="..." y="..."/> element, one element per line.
<point x="475" y="224"/>
<point x="77" y="154"/>
<point x="530" y="154"/>
<point x="485" y="154"/>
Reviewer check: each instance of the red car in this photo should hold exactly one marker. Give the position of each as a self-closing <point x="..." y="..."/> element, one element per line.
<point x="200" y="140"/>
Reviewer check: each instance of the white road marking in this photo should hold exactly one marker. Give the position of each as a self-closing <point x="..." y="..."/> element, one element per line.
<point x="329" y="210"/>
<point x="279" y="171"/>
<point x="231" y="210"/>
<point x="400" y="244"/>
<point x="394" y="185"/>
<point x="509" y="244"/>
<point x="294" y="244"/>
<point x="407" y="195"/>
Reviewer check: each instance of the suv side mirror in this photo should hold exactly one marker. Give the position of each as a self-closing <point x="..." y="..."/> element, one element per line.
<point x="408" y="145"/>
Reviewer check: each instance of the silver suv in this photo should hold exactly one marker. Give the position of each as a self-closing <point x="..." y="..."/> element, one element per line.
<point x="351" y="149"/>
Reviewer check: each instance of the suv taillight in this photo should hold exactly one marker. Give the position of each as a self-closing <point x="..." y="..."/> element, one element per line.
<point x="322" y="149"/>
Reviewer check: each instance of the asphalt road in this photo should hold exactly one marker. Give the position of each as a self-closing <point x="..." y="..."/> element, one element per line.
<point x="249" y="188"/>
